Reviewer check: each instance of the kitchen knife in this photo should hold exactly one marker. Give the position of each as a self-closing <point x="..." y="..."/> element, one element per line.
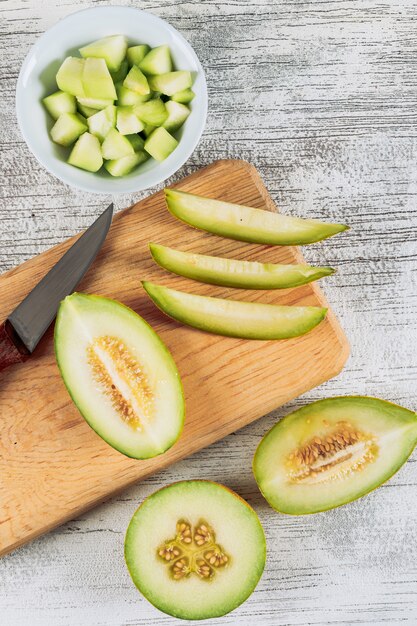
<point x="25" y="326"/>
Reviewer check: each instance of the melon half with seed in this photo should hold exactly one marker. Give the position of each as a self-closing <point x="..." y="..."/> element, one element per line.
<point x="333" y="451"/>
<point x="195" y="549"/>
<point x="120" y="375"/>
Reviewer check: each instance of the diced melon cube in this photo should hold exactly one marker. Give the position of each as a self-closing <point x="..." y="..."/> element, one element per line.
<point x="177" y="114"/>
<point x="112" y="49"/>
<point x="123" y="166"/>
<point x="172" y="82"/>
<point x="86" y="154"/>
<point x="100" y="123"/>
<point x="136" y="81"/>
<point x="67" y="128"/>
<point x="97" y="81"/>
<point x="69" y="76"/>
<point x="157" y="61"/>
<point x="152" y="112"/>
<point x="160" y="144"/>
<point x="95" y="103"/>
<point x="136" y="141"/>
<point x="184" y="96"/>
<point x="126" y="97"/>
<point x="121" y="73"/>
<point x="85" y="111"/>
<point x="148" y="129"/>
<point x="116" y="146"/>
<point x="127" y="123"/>
<point x="58" y="103"/>
<point x="135" y="54"/>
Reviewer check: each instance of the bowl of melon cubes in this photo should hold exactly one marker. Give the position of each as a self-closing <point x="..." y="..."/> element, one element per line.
<point x="112" y="100"/>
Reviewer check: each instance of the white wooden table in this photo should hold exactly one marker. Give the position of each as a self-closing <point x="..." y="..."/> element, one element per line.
<point x="321" y="96"/>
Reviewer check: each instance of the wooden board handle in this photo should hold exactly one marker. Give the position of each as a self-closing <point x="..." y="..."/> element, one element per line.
<point x="11" y="349"/>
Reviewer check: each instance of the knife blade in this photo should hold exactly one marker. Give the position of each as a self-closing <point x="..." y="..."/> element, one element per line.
<point x="25" y="326"/>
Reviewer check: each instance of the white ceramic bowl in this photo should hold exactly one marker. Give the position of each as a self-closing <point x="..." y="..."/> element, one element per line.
<point x="37" y="80"/>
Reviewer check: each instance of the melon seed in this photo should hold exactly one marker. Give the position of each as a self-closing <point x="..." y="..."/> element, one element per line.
<point x="186" y="554"/>
<point x="136" y="405"/>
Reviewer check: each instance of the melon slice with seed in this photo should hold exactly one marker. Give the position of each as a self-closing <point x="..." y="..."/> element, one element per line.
<point x="120" y="375"/>
<point x="333" y="451"/>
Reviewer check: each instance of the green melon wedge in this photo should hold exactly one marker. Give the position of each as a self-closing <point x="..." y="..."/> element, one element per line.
<point x="233" y="272"/>
<point x="333" y="451"/>
<point x="246" y="223"/>
<point x="119" y="374"/>
<point x="209" y="574"/>
<point x="233" y="318"/>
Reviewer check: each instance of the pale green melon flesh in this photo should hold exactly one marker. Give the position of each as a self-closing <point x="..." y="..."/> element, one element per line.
<point x="387" y="436"/>
<point x="116" y="146"/>
<point x="95" y="103"/>
<point x="157" y="61"/>
<point x="233" y="318"/>
<point x="171" y="82"/>
<point x="127" y="122"/>
<point x="184" y="96"/>
<point x="234" y="272"/>
<point x="127" y="97"/>
<point x="121" y="73"/>
<point x="160" y="144"/>
<point x="177" y="114"/>
<point x="58" y="103"/>
<point x="69" y="76"/>
<point x="139" y="367"/>
<point x="125" y="165"/>
<point x="135" y="54"/>
<point x="153" y="112"/>
<point x="136" y="142"/>
<point x="236" y="530"/>
<point x="112" y="49"/>
<point x="97" y="81"/>
<point x="245" y="223"/>
<point x="136" y="81"/>
<point x="101" y="122"/>
<point x="67" y="128"/>
<point x="84" y="110"/>
<point x="86" y="153"/>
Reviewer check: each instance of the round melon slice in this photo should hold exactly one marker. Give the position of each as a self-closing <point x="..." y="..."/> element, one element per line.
<point x="120" y="375"/>
<point x="195" y="550"/>
<point x="333" y="451"/>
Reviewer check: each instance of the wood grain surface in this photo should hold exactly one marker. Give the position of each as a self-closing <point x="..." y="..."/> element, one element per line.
<point x="52" y="466"/>
<point x="321" y="97"/>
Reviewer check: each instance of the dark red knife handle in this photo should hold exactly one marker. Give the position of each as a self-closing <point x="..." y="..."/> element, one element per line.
<point x="11" y="348"/>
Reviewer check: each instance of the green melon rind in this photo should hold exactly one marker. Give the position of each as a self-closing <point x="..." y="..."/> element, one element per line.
<point x="233" y="318"/>
<point x="235" y="272"/>
<point x="400" y="412"/>
<point x="158" y="602"/>
<point x="161" y="346"/>
<point x="246" y="223"/>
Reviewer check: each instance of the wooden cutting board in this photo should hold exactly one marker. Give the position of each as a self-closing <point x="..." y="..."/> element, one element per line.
<point x="52" y="465"/>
